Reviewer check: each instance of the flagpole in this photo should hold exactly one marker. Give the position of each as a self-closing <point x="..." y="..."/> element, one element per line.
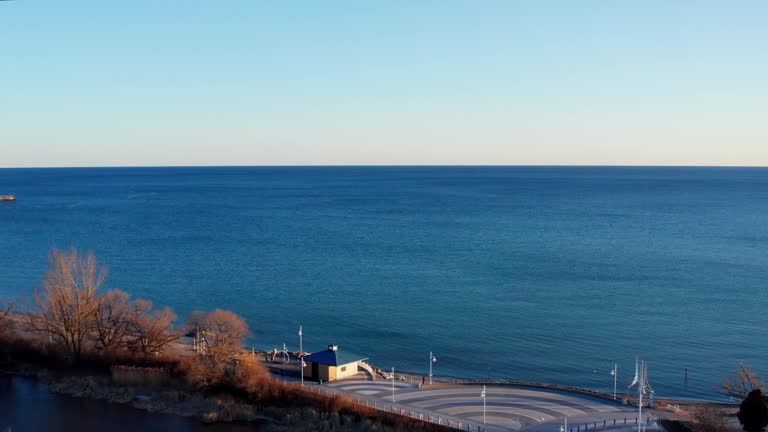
<point x="301" y="357"/>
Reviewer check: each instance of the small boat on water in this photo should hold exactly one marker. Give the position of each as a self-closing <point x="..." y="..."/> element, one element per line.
<point x="7" y="198"/>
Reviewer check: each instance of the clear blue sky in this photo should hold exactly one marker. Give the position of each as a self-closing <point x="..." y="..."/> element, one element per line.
<point x="244" y="82"/>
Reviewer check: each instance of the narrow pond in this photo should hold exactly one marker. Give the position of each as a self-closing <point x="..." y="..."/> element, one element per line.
<point x="26" y="405"/>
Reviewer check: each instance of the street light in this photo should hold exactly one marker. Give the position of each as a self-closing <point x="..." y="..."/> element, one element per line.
<point x="393" y="383"/>
<point x="615" y="373"/>
<point x="482" y="395"/>
<point x="285" y="357"/>
<point x="432" y="359"/>
<point x="301" y="357"/>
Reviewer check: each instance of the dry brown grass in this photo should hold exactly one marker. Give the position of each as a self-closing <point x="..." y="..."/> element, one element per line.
<point x="708" y="419"/>
<point x="297" y="409"/>
<point x="140" y="376"/>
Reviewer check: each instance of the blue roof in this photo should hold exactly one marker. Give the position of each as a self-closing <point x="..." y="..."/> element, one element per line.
<point x="333" y="358"/>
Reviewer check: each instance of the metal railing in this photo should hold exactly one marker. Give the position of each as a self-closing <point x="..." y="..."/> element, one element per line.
<point x="612" y="424"/>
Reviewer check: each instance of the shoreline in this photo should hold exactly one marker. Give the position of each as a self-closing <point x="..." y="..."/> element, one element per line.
<point x="443" y="381"/>
<point x="91" y="385"/>
<point x="226" y="407"/>
<point x="183" y="348"/>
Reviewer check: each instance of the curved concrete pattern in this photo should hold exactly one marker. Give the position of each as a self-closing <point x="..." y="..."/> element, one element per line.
<point x="507" y="407"/>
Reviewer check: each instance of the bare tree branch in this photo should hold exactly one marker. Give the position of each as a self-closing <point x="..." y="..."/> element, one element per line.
<point x="223" y="333"/>
<point x="111" y="321"/>
<point x="152" y="331"/>
<point x="67" y="300"/>
<point x="742" y="382"/>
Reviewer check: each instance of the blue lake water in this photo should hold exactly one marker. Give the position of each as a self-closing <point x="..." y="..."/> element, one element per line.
<point x="527" y="273"/>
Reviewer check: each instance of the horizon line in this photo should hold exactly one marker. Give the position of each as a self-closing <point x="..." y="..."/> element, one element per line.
<point x="387" y="165"/>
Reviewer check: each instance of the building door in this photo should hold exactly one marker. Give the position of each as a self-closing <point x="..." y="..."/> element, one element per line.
<point x="315" y="372"/>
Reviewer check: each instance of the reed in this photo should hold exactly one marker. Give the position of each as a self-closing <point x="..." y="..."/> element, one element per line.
<point x="140" y="376"/>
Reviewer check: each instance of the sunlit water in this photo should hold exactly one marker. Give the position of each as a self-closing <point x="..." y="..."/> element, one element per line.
<point x="526" y="273"/>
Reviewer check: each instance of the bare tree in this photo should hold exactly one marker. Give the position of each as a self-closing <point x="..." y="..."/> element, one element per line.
<point x="67" y="300"/>
<point x="112" y="319"/>
<point x="5" y="311"/>
<point x="222" y="339"/>
<point x="223" y="333"/>
<point x="194" y="322"/>
<point x="742" y="382"/>
<point x="152" y="331"/>
<point x="708" y="419"/>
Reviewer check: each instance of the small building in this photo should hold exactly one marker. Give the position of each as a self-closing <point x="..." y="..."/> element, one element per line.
<point x="331" y="364"/>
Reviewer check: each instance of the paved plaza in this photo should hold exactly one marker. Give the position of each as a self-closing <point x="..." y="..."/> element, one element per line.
<point x="507" y="407"/>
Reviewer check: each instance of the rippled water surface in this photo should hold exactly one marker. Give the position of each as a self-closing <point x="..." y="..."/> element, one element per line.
<point x="529" y="273"/>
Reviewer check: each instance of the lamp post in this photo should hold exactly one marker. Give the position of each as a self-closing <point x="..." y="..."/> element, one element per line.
<point x="615" y="373"/>
<point x="393" y="383"/>
<point x="301" y="357"/>
<point x="285" y="357"/>
<point x="432" y="359"/>
<point x="482" y="395"/>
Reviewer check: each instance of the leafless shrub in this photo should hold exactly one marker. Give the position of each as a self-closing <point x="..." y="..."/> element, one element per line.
<point x="251" y="376"/>
<point x="708" y="419"/>
<point x="202" y="373"/>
